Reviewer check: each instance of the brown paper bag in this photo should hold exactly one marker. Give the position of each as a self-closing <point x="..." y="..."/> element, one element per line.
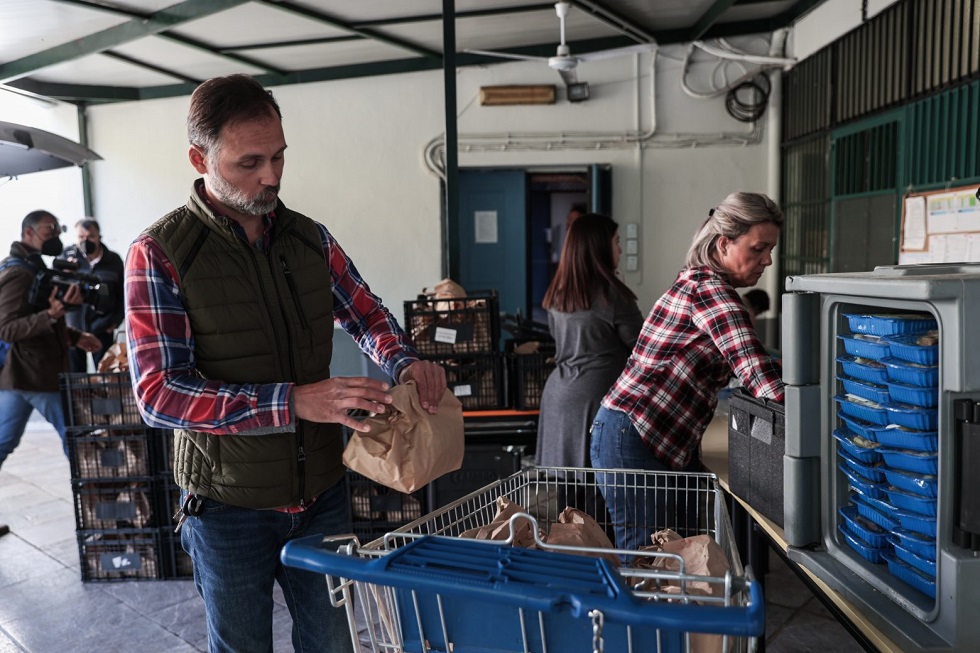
<point x="499" y="527"/>
<point x="407" y="447"/>
<point x="577" y="528"/>
<point x="115" y="359"/>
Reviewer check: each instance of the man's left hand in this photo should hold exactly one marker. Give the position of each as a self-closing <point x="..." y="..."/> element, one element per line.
<point x="431" y="381"/>
<point x="89" y="342"/>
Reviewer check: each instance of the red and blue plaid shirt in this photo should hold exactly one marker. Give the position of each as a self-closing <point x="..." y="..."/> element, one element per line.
<point x="697" y="334"/>
<point x="161" y="346"/>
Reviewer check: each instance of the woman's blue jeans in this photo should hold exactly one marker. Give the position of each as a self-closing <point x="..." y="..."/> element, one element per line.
<point x="639" y="504"/>
<point x="15" y="410"/>
<point x="236" y="561"/>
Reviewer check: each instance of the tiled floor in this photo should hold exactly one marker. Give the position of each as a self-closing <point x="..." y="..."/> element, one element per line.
<point x="45" y="608"/>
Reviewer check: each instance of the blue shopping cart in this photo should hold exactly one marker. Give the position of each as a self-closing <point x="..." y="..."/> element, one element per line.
<point x="424" y="589"/>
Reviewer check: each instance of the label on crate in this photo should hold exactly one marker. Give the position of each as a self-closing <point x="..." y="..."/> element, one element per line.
<point x="112" y="458"/>
<point x="465" y="390"/>
<point x="442" y="334"/>
<point x="120" y="561"/>
<point x="116" y="511"/>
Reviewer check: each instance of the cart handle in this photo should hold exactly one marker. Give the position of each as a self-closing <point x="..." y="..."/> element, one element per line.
<point x="613" y="598"/>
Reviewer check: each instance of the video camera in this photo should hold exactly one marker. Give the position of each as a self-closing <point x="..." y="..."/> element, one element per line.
<point x="65" y="275"/>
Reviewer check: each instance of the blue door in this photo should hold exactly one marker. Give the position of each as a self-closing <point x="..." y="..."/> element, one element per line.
<point x="492" y="228"/>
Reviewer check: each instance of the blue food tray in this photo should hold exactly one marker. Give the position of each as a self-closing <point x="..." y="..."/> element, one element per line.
<point x="903" y="347"/>
<point x="922" y="546"/>
<point x="921" y="462"/>
<point x="867" y="347"/>
<point x="865" y="550"/>
<point x="903" y="438"/>
<point x="885" y="325"/>
<point x="875" y="510"/>
<point x="913" y="521"/>
<point x="859" y="453"/>
<point x="927" y="567"/>
<point x="870" y="391"/>
<point x="861" y="484"/>
<point x="904" y="393"/>
<point x="905" y="372"/>
<point x="918" y="484"/>
<point x="913" y="417"/>
<point x="873" y="534"/>
<point x="875" y="373"/>
<point x="911" y="502"/>
<point x="866" y="430"/>
<point x="870" y="472"/>
<point x="907" y="574"/>
<point x="871" y="414"/>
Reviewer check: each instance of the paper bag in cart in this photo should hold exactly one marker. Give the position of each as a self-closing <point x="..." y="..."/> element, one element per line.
<point x="407" y="447"/>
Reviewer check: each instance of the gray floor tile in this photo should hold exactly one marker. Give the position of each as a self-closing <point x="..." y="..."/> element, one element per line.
<point x="23" y="562"/>
<point x="8" y="645"/>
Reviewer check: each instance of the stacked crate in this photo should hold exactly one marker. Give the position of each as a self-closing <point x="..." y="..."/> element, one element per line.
<point x="528" y="364"/>
<point x="463" y="336"/>
<point x="114" y="479"/>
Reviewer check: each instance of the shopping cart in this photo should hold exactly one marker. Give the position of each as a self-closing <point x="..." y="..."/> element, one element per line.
<point x="424" y="589"/>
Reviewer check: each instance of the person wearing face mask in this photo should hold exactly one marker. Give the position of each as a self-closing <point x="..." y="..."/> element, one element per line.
<point x="92" y="256"/>
<point x="39" y="337"/>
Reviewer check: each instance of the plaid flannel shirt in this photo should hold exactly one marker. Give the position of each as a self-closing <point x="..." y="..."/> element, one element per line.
<point x="697" y="334"/>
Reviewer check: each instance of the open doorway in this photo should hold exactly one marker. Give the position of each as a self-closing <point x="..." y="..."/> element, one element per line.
<point x="511" y="225"/>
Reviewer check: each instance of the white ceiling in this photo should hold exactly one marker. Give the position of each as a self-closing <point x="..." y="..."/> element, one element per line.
<point x="110" y="50"/>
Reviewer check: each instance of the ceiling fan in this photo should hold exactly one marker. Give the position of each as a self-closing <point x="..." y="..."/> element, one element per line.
<point x="564" y="61"/>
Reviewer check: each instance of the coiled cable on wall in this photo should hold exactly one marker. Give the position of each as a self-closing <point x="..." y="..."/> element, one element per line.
<point x="747" y="101"/>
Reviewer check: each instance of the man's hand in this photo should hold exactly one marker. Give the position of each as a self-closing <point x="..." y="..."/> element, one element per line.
<point x="89" y="343"/>
<point x="331" y="400"/>
<point x="56" y="307"/>
<point x="431" y="381"/>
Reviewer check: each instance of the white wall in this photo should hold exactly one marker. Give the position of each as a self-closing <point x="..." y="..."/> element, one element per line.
<point x="57" y="191"/>
<point x="355" y="160"/>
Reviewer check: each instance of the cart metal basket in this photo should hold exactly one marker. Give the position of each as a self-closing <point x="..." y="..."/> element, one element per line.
<point x="424" y="589"/>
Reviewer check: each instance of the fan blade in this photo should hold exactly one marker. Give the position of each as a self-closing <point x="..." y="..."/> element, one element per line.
<point x="617" y="52"/>
<point x="569" y="76"/>
<point x="506" y="55"/>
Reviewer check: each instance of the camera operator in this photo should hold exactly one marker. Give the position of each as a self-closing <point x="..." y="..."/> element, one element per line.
<point x="38" y="335"/>
<point x="93" y="257"/>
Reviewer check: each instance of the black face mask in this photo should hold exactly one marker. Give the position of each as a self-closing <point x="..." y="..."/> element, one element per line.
<point x="90" y="247"/>
<point x="52" y="247"/>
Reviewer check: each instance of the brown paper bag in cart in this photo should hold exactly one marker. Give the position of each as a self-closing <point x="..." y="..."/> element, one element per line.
<point x="407" y="447"/>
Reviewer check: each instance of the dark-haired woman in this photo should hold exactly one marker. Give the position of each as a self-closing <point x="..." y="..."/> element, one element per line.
<point x="695" y="338"/>
<point x="594" y="319"/>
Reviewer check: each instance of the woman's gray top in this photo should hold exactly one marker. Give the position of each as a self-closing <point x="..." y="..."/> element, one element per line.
<point x="592" y="347"/>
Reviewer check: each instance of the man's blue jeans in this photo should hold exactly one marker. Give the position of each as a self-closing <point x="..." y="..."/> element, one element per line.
<point x="236" y="561"/>
<point x="639" y="504"/>
<point x="15" y="410"/>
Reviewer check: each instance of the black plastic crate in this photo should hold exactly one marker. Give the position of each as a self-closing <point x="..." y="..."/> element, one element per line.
<point x="109" y="453"/>
<point x="99" y="400"/>
<point x="117" y="555"/>
<point x="168" y="499"/>
<point x="482" y="465"/>
<point x="468" y="325"/>
<point x="528" y="375"/>
<point x="477" y="381"/>
<point x="104" y="505"/>
<point x="162" y="445"/>
<point x="376" y="508"/>
<point x="177" y="563"/>
<point x="756" y="445"/>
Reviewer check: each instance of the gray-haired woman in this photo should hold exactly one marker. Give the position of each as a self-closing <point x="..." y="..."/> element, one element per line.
<point x="695" y="338"/>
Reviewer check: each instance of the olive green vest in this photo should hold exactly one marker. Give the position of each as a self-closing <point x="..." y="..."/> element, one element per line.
<point x="256" y="318"/>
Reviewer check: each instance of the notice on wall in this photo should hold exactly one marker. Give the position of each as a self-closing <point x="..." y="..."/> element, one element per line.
<point x="941" y="227"/>
<point x="485" y="226"/>
<point x="914" y="227"/>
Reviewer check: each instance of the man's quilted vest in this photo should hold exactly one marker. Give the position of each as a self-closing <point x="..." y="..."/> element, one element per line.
<point x="255" y="318"/>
